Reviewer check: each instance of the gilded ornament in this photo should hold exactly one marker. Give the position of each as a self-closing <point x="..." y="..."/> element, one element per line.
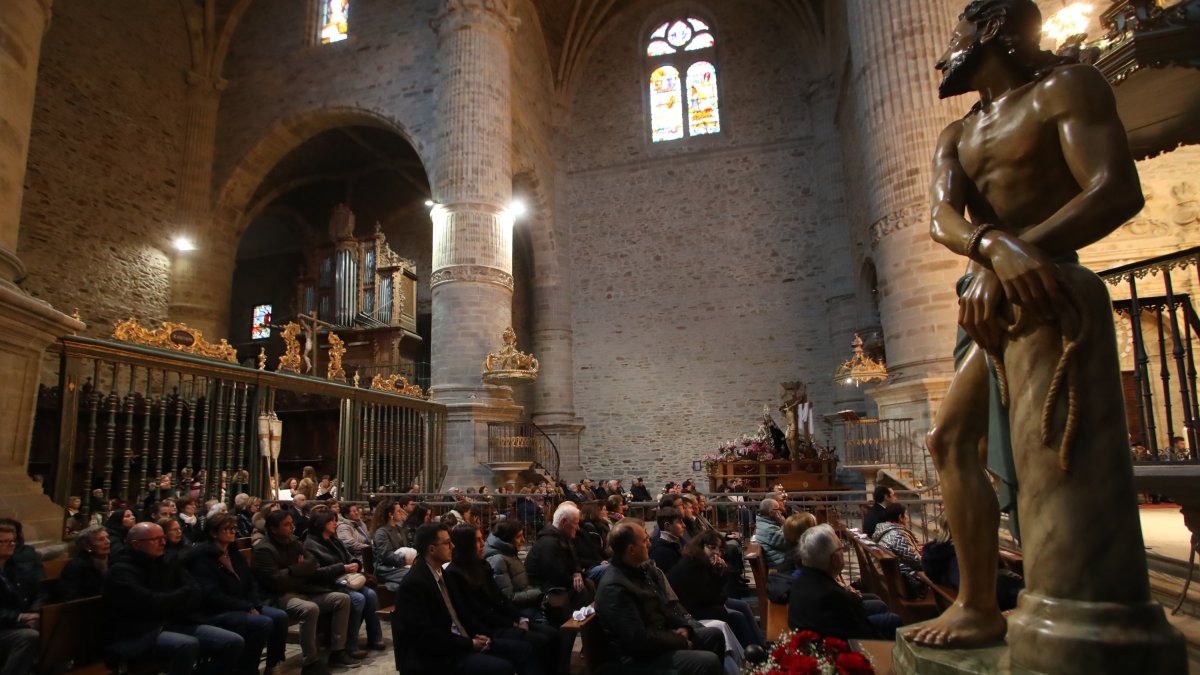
<point x="262" y="358"/>
<point x="175" y="337"/>
<point x="396" y="384"/>
<point x="509" y="366"/>
<point x="860" y="368"/>
<point x="337" y="349"/>
<point x="290" y="361"/>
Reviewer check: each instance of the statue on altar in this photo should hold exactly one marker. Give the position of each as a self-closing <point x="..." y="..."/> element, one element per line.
<point x="1039" y="168"/>
<point x="797" y="409"/>
<point x="772" y="434"/>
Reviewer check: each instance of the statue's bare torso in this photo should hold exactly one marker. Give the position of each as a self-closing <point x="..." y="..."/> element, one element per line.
<point x="1013" y="156"/>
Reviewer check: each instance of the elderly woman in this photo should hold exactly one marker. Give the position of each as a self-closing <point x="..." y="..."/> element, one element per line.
<point x="322" y="545"/>
<point x="245" y="507"/>
<point x="83" y="575"/>
<point x="232" y="597"/>
<point x="392" y="562"/>
<point x="352" y="532"/>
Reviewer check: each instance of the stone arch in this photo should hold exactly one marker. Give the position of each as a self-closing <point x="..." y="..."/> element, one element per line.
<point x="239" y="187"/>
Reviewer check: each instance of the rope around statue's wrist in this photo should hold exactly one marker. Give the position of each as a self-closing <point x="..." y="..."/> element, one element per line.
<point x="976" y="239"/>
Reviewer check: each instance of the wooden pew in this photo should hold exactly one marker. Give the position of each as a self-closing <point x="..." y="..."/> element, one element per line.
<point x="71" y="638"/>
<point x="773" y="616"/>
<point x="887" y="582"/>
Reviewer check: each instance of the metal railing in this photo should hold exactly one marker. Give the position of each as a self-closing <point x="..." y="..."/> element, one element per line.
<point x="883" y="442"/>
<point x="137" y="423"/>
<point x="1158" y="304"/>
<point x="522" y="442"/>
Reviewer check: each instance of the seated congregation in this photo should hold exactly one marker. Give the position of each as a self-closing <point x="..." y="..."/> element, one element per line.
<point x="181" y="593"/>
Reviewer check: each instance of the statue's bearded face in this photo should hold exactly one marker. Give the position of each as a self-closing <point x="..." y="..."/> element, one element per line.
<point x="960" y="60"/>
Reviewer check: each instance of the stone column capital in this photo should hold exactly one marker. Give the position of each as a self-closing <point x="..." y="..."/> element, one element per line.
<point x="482" y="14"/>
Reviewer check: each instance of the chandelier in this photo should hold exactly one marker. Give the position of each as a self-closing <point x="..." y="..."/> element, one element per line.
<point x="860" y="368"/>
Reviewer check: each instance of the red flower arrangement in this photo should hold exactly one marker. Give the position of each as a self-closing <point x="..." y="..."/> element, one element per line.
<point x="806" y="653"/>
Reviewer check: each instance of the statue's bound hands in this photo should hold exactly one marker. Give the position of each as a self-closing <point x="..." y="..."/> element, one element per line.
<point x="1029" y="277"/>
<point x="979" y="310"/>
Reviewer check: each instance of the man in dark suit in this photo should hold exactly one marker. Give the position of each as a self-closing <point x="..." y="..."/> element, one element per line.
<point x="884" y="497"/>
<point x="433" y="635"/>
<point x="817" y="602"/>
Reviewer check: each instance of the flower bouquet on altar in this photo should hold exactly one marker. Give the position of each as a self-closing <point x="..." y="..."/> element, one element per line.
<point x="745" y="447"/>
<point x="806" y="653"/>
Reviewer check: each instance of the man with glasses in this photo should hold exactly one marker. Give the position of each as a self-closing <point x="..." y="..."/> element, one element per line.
<point x="768" y="532"/>
<point x="431" y="630"/>
<point x="18" y="626"/>
<point x="153" y="607"/>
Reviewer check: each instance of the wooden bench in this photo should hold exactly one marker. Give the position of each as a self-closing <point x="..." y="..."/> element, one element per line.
<point x="881" y="576"/>
<point x="772" y="616"/>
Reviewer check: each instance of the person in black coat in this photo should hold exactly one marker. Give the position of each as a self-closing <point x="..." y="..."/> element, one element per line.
<point x="19" y="639"/>
<point x="330" y="553"/>
<point x="471" y="578"/>
<point x="639" y="491"/>
<point x="645" y="627"/>
<point x="884" y="497"/>
<point x="154" y="607"/>
<point x="434" y="631"/>
<point x="552" y="562"/>
<point x="666" y="547"/>
<point x="817" y="602"/>
<point x="699" y="581"/>
<point x="231" y="595"/>
<point x="83" y="575"/>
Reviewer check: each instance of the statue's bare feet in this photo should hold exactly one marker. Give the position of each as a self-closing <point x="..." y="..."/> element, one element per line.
<point x="959" y="626"/>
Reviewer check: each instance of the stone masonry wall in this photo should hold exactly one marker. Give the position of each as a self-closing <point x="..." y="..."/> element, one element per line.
<point x="101" y="181"/>
<point x="698" y="284"/>
<point x="276" y="72"/>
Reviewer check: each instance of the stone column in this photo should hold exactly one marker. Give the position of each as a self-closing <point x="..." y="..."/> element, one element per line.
<point x="27" y="326"/>
<point x="898" y="117"/>
<point x="553" y="343"/>
<point x="472" y="284"/>
<point x="201" y="278"/>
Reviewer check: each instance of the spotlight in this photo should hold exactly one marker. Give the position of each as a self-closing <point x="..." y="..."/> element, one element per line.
<point x="183" y="244"/>
<point x="517" y="208"/>
<point x="429" y="202"/>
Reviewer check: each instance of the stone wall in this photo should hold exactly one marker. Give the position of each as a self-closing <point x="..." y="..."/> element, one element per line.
<point x="698" y="284"/>
<point x="277" y="74"/>
<point x="100" y="188"/>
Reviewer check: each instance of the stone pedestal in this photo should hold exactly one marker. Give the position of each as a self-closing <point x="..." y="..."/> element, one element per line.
<point x="27" y="327"/>
<point x="909" y="658"/>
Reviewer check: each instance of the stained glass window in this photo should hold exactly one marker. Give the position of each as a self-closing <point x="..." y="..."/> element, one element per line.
<point x="684" y="45"/>
<point x="703" y="115"/>
<point x="332" y="24"/>
<point x="666" y="104"/>
<point x="261" y="325"/>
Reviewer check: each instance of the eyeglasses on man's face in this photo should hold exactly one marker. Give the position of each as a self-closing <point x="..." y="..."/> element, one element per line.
<point x="8" y="542"/>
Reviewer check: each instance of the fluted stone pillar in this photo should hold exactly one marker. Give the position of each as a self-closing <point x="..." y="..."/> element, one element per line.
<point x="898" y="117"/>
<point x="472" y="284"/>
<point x="201" y="279"/>
<point x="27" y="326"/>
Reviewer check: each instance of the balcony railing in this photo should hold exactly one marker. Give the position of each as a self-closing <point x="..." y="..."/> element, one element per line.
<point x="1157" y="333"/>
<point x="522" y="442"/>
<point x="130" y="423"/>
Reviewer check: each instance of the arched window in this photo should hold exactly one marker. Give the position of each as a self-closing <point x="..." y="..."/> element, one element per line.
<point x="332" y="24"/>
<point x="683" y="80"/>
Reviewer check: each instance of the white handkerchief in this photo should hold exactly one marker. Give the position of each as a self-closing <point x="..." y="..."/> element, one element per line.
<point x="583" y="613"/>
